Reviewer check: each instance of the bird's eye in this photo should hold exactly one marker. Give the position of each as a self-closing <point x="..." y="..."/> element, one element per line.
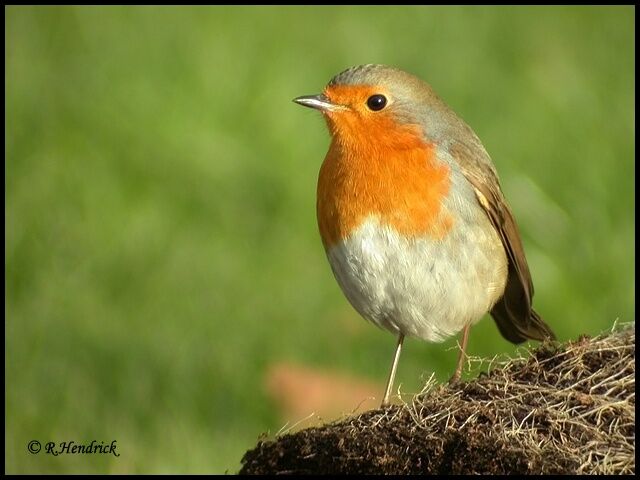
<point x="376" y="102"/>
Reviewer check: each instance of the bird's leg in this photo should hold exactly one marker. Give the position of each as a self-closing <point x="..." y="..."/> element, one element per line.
<point x="463" y="355"/>
<point x="392" y="374"/>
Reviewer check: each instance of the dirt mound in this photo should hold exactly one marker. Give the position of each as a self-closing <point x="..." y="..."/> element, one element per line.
<point x="565" y="409"/>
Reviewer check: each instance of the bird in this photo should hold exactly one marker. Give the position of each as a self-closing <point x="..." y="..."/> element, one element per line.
<point x="412" y="216"/>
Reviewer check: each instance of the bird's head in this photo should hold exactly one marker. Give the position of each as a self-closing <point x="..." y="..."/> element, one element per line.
<point x="380" y="106"/>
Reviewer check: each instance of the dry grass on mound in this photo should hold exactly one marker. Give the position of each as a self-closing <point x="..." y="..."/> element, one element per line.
<point x="565" y="409"/>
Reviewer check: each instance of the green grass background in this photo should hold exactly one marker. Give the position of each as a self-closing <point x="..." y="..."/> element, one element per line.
<point x="160" y="238"/>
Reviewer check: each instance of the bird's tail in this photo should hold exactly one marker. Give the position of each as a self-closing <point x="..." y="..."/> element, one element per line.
<point x="518" y="331"/>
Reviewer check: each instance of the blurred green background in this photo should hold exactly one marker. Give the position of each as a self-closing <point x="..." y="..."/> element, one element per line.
<point x="160" y="237"/>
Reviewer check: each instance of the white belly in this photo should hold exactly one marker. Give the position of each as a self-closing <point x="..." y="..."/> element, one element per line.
<point x="421" y="287"/>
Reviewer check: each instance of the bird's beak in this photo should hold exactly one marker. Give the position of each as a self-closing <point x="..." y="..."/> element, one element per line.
<point x="319" y="102"/>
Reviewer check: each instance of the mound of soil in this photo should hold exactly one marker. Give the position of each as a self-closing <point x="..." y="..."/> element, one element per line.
<point x="566" y="409"/>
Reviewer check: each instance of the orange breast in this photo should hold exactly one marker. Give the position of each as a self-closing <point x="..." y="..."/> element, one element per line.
<point x="391" y="173"/>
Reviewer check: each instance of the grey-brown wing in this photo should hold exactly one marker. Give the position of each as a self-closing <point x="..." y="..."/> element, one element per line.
<point x="513" y="313"/>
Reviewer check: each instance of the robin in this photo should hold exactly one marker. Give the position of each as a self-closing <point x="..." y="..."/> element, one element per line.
<point x="412" y="218"/>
